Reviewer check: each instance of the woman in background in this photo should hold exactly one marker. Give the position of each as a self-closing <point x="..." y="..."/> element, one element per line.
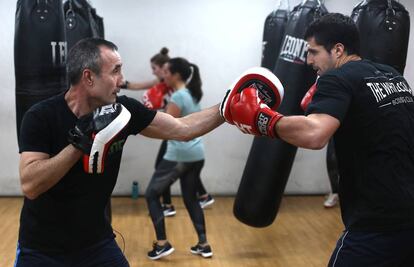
<point x="182" y="160"/>
<point x="157" y="97"/>
<point x="331" y="163"/>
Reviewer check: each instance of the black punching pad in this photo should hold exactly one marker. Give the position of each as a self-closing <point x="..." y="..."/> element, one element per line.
<point x="274" y="29"/>
<point x="384" y="27"/>
<point x="270" y="160"/>
<point x="39" y="53"/>
<point x="81" y="21"/>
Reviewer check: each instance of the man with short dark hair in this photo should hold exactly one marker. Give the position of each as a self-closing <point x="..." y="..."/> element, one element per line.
<point x="62" y="220"/>
<point x="369" y="109"/>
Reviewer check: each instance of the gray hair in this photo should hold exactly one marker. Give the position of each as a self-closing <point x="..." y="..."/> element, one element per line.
<point x="86" y="54"/>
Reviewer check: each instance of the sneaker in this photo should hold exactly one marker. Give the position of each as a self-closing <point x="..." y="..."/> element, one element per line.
<point x="205" y="251"/>
<point x="168" y="210"/>
<point x="206" y="201"/>
<point x="160" y="251"/>
<point x="331" y="200"/>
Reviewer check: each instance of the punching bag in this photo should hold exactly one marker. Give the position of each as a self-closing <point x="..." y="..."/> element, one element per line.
<point x="384" y="27"/>
<point x="274" y="29"/>
<point x="39" y="53"/>
<point x="81" y="21"/>
<point x="98" y="24"/>
<point x="270" y="160"/>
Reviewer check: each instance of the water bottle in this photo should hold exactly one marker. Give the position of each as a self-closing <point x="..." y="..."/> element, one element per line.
<point x="135" y="190"/>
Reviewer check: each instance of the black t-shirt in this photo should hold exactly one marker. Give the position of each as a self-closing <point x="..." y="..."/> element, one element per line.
<point x="374" y="143"/>
<point x="70" y="215"/>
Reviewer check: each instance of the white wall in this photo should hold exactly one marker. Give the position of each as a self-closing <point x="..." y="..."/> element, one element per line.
<point x="223" y="37"/>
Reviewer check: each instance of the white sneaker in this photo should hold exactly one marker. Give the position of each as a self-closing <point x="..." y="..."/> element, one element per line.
<point x="331" y="200"/>
<point x="206" y="201"/>
<point x="168" y="210"/>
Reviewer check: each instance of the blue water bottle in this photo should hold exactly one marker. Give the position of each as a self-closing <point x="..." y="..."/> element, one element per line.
<point x="135" y="190"/>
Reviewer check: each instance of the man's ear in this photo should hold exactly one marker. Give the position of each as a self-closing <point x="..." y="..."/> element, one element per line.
<point x="339" y="50"/>
<point x="87" y="76"/>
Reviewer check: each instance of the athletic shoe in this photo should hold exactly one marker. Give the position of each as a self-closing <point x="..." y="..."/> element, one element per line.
<point x="160" y="251"/>
<point x="206" y="201"/>
<point x="331" y="200"/>
<point x="205" y="251"/>
<point x="168" y="210"/>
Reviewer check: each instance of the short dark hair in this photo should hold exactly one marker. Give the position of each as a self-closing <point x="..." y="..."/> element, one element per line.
<point x="335" y="28"/>
<point x="86" y="54"/>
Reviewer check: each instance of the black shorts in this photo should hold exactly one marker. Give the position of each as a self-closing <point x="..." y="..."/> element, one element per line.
<point x="379" y="249"/>
<point x="104" y="254"/>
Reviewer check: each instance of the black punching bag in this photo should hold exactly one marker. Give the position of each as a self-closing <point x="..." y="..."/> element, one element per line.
<point x="39" y="53"/>
<point x="384" y="27"/>
<point x="270" y="160"/>
<point x="274" y="29"/>
<point x="81" y="21"/>
<point x="98" y="24"/>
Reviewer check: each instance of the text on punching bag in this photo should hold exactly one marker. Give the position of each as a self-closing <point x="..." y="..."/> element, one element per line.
<point x="294" y="50"/>
<point x="59" y="53"/>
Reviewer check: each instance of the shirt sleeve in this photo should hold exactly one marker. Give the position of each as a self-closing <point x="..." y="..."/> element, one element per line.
<point x="141" y="116"/>
<point x="178" y="99"/>
<point x="332" y="97"/>
<point x="34" y="133"/>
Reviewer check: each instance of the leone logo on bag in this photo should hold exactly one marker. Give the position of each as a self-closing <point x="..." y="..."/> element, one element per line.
<point x="59" y="53"/>
<point x="294" y="50"/>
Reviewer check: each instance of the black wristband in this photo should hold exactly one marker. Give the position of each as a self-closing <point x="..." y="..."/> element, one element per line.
<point x="124" y="85"/>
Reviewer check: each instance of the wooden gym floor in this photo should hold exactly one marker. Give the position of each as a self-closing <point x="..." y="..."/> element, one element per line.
<point x="304" y="234"/>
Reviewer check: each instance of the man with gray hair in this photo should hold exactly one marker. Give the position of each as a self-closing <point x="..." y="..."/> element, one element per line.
<point x="67" y="176"/>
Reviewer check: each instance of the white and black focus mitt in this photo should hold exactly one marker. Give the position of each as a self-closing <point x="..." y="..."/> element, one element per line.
<point x="94" y="133"/>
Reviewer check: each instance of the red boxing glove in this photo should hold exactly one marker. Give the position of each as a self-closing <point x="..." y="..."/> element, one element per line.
<point x="308" y="97"/>
<point x="153" y="98"/>
<point x="269" y="88"/>
<point x="251" y="115"/>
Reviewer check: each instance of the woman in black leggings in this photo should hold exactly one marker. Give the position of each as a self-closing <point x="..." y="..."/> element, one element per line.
<point x="204" y="198"/>
<point x="159" y="102"/>
<point x="333" y="173"/>
<point x="182" y="160"/>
